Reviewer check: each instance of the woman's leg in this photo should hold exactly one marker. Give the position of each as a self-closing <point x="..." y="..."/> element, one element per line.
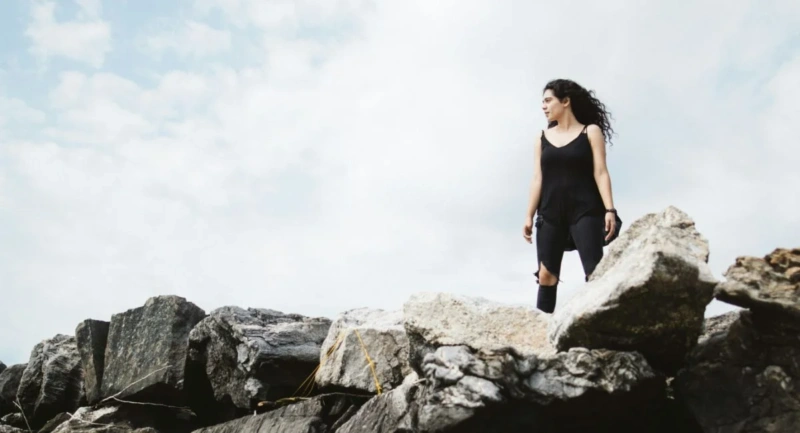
<point x="550" y="243"/>
<point x="588" y="234"/>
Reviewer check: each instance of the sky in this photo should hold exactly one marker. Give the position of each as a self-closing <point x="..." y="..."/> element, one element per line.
<point x="318" y="156"/>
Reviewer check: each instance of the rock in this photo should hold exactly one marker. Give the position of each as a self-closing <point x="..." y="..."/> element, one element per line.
<point x="442" y="319"/>
<point x="648" y="293"/>
<point x="14" y="420"/>
<point x="9" y="383"/>
<point x="488" y="367"/>
<point x="91" y="336"/>
<point x="130" y="419"/>
<point x="320" y="414"/>
<point x="2" y="366"/>
<point x="393" y="411"/>
<point x="503" y="391"/>
<point x="768" y="285"/>
<point x="52" y="381"/>
<point x="240" y="357"/>
<point x="145" y="358"/>
<point x="9" y="429"/>
<point x="52" y="425"/>
<point x="385" y="340"/>
<point x="743" y="377"/>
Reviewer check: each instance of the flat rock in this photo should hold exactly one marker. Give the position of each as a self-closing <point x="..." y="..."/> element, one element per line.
<point x="648" y="293"/>
<point x="320" y="414"/>
<point x="240" y="357"/>
<point x="52" y="381"/>
<point x="769" y="284"/>
<point x="742" y="377"/>
<point x="443" y="319"/>
<point x="343" y="362"/>
<point x="145" y="358"/>
<point x="9" y="383"/>
<point x="91" y="337"/>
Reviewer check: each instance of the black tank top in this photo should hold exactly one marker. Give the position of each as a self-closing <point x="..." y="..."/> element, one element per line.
<point x="569" y="190"/>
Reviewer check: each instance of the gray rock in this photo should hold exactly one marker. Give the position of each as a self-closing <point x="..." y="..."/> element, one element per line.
<point x="2" y="366"/>
<point x="443" y="319"/>
<point x="145" y="358"/>
<point x="91" y="336"/>
<point x="320" y="414"/>
<point x="9" y="429"/>
<point x="488" y="367"/>
<point x="743" y="378"/>
<point x="648" y="294"/>
<point x="9" y="384"/>
<point x="393" y="411"/>
<point x="14" y="420"/>
<point x="52" y="425"/>
<point x="768" y="285"/>
<point x="52" y="381"/>
<point x="469" y="388"/>
<point x="129" y="419"/>
<point x="240" y="357"/>
<point x="343" y="363"/>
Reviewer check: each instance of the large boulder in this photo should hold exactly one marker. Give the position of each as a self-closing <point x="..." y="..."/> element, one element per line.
<point x="432" y="320"/>
<point x="487" y="366"/>
<point x="648" y="293"/>
<point x="132" y="418"/>
<point x="742" y="377"/>
<point x="320" y="414"/>
<point x="240" y="357"/>
<point x="52" y="381"/>
<point x="343" y="363"/>
<point x="9" y="384"/>
<point x="145" y="358"/>
<point x="2" y="367"/>
<point x="91" y="336"/>
<point x="768" y="285"/>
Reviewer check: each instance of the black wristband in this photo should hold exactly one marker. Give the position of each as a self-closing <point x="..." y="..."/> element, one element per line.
<point x="612" y="210"/>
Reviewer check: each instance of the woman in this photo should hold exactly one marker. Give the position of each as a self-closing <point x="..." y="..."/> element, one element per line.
<point x="571" y="187"/>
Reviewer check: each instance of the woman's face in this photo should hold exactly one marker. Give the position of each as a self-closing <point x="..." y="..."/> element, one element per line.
<point x="552" y="107"/>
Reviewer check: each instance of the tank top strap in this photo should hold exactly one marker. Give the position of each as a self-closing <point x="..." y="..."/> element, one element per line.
<point x="584" y="129"/>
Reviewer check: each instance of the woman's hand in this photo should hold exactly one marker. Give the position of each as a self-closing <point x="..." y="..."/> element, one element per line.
<point x="528" y="230"/>
<point x="611" y="224"/>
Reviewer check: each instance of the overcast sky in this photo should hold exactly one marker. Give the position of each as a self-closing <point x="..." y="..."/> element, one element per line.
<point x="313" y="157"/>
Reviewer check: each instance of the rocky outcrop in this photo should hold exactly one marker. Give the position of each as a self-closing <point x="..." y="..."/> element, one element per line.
<point x="343" y="362"/>
<point x="240" y="357"/>
<point x="145" y="357"/>
<point x="768" y="285"/>
<point x="742" y="377"/>
<point x="52" y="380"/>
<point x="321" y="414"/>
<point x="91" y="337"/>
<point x="2" y="367"/>
<point x="9" y="383"/>
<point x="9" y="429"/>
<point x="648" y="294"/>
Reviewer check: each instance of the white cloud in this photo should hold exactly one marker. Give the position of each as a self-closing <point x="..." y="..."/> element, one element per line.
<point x="86" y="40"/>
<point x="335" y="172"/>
<point x="192" y="39"/>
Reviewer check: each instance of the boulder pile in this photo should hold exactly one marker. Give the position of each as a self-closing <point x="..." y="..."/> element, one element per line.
<point x="630" y="352"/>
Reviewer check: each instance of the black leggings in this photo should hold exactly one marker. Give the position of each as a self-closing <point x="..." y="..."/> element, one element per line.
<point x="551" y="239"/>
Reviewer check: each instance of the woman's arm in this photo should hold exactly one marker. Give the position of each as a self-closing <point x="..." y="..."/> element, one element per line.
<point x="601" y="175"/>
<point x="536" y="181"/>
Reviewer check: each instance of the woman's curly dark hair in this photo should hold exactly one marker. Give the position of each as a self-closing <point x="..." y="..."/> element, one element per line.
<point x="586" y="107"/>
